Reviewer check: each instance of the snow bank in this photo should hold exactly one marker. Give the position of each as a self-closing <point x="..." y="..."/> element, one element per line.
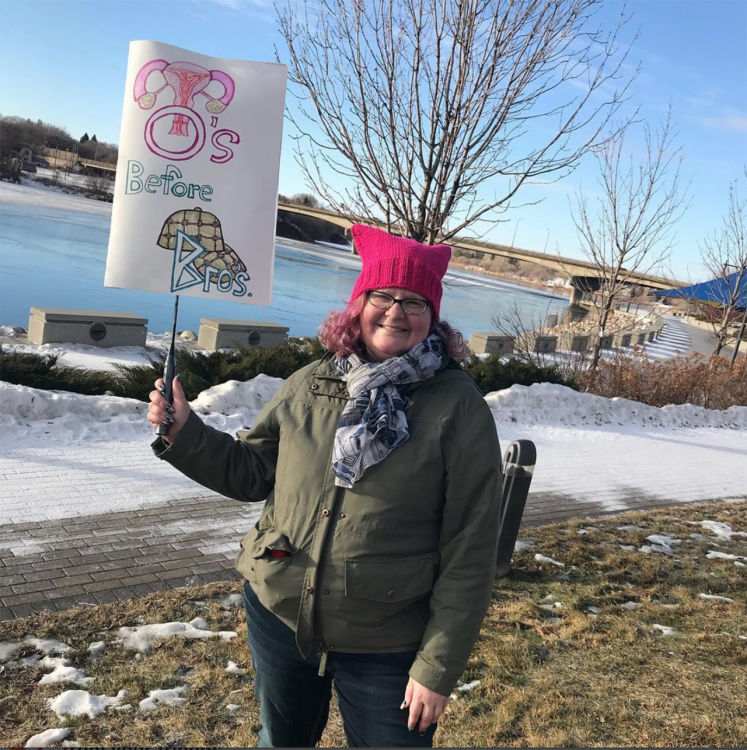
<point x="31" y="415"/>
<point x="234" y="405"/>
<point x="546" y="404"/>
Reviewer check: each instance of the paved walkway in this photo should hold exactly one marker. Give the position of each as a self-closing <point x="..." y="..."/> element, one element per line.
<point x="102" y="558"/>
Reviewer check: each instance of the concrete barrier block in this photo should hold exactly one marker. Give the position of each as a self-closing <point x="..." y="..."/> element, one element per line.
<point x="540" y="343"/>
<point x="623" y="339"/>
<point x="491" y="343"/>
<point x="573" y="342"/>
<point x="224" y="333"/>
<point x="49" y="325"/>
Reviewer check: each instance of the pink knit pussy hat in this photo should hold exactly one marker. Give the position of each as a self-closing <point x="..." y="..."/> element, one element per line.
<point x="399" y="262"/>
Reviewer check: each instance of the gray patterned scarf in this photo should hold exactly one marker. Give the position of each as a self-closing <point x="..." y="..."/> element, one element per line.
<point x="373" y="422"/>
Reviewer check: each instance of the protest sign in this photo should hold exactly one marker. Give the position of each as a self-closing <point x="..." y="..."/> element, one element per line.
<point x="195" y="199"/>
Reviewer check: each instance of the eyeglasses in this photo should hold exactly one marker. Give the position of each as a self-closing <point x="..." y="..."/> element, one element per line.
<point x="384" y="301"/>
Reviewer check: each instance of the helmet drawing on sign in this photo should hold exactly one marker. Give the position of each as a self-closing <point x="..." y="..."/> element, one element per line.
<point x="204" y="228"/>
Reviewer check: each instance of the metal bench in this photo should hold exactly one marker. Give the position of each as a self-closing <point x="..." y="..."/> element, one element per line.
<point x="518" y="468"/>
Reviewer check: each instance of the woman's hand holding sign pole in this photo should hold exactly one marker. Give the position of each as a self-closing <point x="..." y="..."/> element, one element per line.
<point x="172" y="414"/>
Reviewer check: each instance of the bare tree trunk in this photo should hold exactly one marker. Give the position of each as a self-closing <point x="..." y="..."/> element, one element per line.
<point x="724" y="253"/>
<point x="740" y="335"/>
<point x="423" y="107"/>
<point x="630" y="232"/>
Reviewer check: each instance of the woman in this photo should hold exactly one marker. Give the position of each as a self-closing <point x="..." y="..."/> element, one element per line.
<point x="373" y="560"/>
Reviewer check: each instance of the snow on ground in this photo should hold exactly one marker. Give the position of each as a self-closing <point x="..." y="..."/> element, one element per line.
<point x="714" y="597"/>
<point x="143" y="638"/>
<point x="721" y="530"/>
<point x="83" y="703"/>
<point x="549" y="560"/>
<point x="92" y="357"/>
<point x="158" y="698"/>
<point x="32" y="416"/>
<point x="62" y="671"/>
<point x="548" y="404"/>
<point x="47" y="738"/>
<point x="665" y="629"/>
<point x="58" y="450"/>
<point x="34" y="194"/>
<point x="8" y="649"/>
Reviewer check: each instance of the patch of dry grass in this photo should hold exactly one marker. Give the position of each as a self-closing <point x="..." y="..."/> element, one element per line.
<point x="609" y="680"/>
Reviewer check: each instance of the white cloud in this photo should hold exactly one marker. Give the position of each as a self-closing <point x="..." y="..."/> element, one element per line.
<point x="237" y="4"/>
<point x="726" y="122"/>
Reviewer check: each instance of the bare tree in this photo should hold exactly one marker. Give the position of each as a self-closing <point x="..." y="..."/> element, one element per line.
<point x="724" y="253"/>
<point x="423" y="107"/>
<point x="630" y="232"/>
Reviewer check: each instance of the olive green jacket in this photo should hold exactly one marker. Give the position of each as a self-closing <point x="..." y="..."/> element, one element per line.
<point x="402" y="561"/>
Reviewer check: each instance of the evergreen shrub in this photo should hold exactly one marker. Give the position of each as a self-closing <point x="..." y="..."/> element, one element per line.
<point x="199" y="370"/>
<point x="494" y="373"/>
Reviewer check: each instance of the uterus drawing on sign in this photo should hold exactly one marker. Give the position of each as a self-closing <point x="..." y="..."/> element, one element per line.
<point x="186" y="82"/>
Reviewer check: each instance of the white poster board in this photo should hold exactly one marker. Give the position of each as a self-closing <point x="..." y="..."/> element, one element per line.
<point x="195" y="201"/>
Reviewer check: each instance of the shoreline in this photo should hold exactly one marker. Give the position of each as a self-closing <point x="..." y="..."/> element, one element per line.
<point x="554" y="289"/>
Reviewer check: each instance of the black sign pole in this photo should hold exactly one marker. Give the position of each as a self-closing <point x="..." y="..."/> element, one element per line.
<point x="168" y="370"/>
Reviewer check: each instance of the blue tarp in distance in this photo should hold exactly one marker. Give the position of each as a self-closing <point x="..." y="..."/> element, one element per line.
<point x="718" y="291"/>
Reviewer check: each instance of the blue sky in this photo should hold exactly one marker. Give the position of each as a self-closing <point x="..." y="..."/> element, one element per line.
<point x="64" y="62"/>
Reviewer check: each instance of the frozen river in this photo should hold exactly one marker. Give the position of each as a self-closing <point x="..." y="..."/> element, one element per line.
<point x="53" y="252"/>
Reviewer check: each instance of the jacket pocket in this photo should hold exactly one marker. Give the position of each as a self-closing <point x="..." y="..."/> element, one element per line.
<point x="256" y="549"/>
<point x="268" y="542"/>
<point x="393" y="580"/>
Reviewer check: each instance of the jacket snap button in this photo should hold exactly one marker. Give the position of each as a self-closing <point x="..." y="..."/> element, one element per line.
<point x="390" y="594"/>
<point x="325" y="512"/>
<point x="326" y="591"/>
<point x="342" y="515"/>
<point x="309" y="589"/>
<point x="314" y="386"/>
<point x="331" y="648"/>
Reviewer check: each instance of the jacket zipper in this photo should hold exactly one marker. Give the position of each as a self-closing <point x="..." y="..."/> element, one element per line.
<point x="322" y="646"/>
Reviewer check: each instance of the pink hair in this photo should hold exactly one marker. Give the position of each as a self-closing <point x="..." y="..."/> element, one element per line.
<point x="340" y="332"/>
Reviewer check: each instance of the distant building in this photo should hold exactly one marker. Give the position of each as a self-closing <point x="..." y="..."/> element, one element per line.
<point x="94" y="168"/>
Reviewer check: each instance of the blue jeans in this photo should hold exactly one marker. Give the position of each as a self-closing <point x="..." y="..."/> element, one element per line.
<point x="294" y="700"/>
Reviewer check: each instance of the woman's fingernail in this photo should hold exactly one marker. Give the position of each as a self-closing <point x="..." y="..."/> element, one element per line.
<point x="170" y="418"/>
<point x="170" y="409"/>
<point x="404" y="705"/>
<point x="410" y="729"/>
<point x="179" y="376"/>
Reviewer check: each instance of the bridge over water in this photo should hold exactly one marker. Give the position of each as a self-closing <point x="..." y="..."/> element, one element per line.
<point x="584" y="276"/>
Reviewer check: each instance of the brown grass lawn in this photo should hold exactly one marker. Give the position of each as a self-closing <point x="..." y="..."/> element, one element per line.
<point x="548" y="677"/>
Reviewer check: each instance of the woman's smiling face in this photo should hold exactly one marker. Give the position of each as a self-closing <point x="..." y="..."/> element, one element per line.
<point x="388" y="333"/>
